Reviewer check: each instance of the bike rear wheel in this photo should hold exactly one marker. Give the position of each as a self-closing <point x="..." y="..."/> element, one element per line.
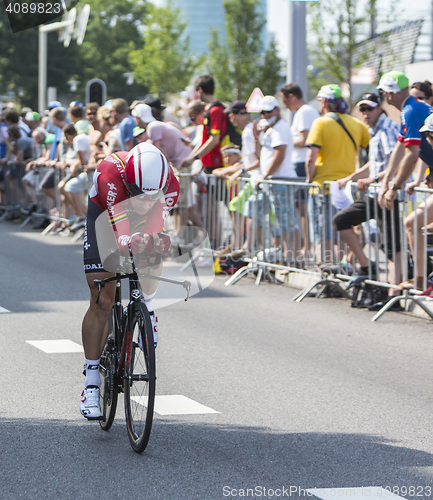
<point x="140" y="378"/>
<point x="109" y="386"/>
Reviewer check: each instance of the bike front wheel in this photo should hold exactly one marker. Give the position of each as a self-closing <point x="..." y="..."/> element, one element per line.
<point x="140" y="377"/>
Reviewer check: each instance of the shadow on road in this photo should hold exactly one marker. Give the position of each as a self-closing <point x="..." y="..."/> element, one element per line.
<point x="56" y="459"/>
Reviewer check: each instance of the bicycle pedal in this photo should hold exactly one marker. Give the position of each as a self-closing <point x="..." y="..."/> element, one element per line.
<point x="91" y="419"/>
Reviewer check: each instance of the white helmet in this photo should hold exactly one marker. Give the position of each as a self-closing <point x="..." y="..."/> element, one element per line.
<point x="146" y="170"/>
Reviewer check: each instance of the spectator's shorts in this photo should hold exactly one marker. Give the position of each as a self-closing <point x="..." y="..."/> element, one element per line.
<point x="32" y="178"/>
<point x="356" y="214"/>
<point x="78" y="184"/>
<point x="48" y="180"/>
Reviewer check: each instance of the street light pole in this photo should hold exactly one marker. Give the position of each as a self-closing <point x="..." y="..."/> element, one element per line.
<point x="42" y="70"/>
<point x="297" y="57"/>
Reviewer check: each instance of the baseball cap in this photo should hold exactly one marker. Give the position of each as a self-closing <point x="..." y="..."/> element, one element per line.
<point x="143" y="112"/>
<point x="369" y="99"/>
<point x="54" y="104"/>
<point x="269" y="103"/>
<point x="428" y="124"/>
<point x="236" y="107"/>
<point x="137" y="131"/>
<point x="30" y="117"/>
<point x="154" y="102"/>
<point x="76" y="103"/>
<point x="135" y="103"/>
<point x="393" y="82"/>
<point x="331" y="91"/>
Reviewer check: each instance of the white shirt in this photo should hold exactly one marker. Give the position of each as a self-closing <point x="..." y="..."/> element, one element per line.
<point x="249" y="149"/>
<point x="278" y="135"/>
<point x="81" y="143"/>
<point x="302" y="120"/>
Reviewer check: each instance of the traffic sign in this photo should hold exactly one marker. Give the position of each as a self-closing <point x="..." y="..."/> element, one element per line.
<point x="83" y="19"/>
<point x="253" y="104"/>
<point x="69" y="30"/>
<point x="96" y="91"/>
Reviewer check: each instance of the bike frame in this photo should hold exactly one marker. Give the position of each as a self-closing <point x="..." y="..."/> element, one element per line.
<point x="121" y="314"/>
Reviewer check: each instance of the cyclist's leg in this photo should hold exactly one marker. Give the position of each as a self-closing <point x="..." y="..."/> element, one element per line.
<point x="149" y="289"/>
<point x="94" y="328"/>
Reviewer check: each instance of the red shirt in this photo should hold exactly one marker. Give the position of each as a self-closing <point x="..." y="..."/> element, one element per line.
<point x="109" y="193"/>
<point x="214" y="122"/>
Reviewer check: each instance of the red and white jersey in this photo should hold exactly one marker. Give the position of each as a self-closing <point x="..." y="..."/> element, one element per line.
<point x="109" y="193"/>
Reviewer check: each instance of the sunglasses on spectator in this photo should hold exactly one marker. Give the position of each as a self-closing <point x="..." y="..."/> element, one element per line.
<point x="363" y="109"/>
<point x="242" y="113"/>
<point x="91" y="112"/>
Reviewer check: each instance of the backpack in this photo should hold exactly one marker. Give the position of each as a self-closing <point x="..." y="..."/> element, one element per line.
<point x="365" y="295"/>
<point x="232" y="135"/>
<point x="228" y="265"/>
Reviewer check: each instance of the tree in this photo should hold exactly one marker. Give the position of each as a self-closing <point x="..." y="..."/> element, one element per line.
<point x="114" y="30"/>
<point x="335" y="27"/>
<point x="164" y="63"/>
<point x="241" y="63"/>
<point x="19" y="63"/>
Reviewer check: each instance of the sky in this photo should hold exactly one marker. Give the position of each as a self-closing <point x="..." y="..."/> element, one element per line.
<point x="278" y="15"/>
<point x="278" y="21"/>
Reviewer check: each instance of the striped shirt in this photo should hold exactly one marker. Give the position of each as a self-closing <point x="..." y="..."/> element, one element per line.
<point x="383" y="138"/>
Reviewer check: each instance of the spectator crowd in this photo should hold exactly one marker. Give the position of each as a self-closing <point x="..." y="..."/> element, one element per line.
<point x="304" y="184"/>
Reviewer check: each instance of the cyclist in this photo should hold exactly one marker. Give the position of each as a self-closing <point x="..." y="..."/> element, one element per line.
<point x="139" y="182"/>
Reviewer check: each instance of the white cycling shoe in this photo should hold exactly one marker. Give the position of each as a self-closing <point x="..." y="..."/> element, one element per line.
<point x="89" y="406"/>
<point x="154" y="321"/>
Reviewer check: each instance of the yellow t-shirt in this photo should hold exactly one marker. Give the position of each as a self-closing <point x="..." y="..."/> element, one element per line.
<point x="337" y="154"/>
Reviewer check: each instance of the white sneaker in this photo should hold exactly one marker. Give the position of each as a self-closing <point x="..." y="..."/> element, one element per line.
<point x="154" y="321"/>
<point x="89" y="406"/>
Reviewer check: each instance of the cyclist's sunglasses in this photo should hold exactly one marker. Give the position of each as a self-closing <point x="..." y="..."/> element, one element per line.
<point x="136" y="192"/>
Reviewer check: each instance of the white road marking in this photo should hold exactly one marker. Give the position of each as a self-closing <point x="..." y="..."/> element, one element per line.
<point x="175" y="405"/>
<point x="56" y="346"/>
<point x="370" y="492"/>
<point x="3" y="310"/>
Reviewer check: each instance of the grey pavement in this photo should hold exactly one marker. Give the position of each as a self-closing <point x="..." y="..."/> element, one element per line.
<point x="309" y="395"/>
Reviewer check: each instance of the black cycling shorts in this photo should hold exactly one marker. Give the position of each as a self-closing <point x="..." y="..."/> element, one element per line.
<point x="92" y="259"/>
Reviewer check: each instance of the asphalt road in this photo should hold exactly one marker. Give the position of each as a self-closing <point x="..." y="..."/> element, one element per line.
<point x="309" y="395"/>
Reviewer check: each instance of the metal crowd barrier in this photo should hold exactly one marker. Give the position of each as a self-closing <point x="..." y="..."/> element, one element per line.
<point x="287" y="225"/>
<point x="14" y="201"/>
